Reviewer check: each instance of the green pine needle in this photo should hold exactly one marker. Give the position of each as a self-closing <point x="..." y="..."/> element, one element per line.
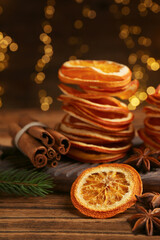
<point x="25" y="182"/>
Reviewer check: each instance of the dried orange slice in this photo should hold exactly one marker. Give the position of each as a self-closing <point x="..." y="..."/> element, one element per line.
<point x="92" y="156"/>
<point x="105" y="148"/>
<point x="101" y="73"/>
<point x="76" y="123"/>
<point x="102" y="136"/>
<point x="149" y="140"/>
<point x="122" y="93"/>
<point x="105" y="103"/>
<point x="77" y="112"/>
<point x="106" y="190"/>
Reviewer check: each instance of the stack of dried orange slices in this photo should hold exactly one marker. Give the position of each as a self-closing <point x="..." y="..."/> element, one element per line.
<point x="150" y="134"/>
<point x="98" y="125"/>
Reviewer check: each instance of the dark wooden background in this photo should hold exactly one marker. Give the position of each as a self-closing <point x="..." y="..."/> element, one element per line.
<point x="22" y="21"/>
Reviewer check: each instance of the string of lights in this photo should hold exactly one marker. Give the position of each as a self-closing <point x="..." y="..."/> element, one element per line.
<point x="6" y="43"/>
<point x="80" y="48"/>
<point x="139" y="59"/>
<point x="47" y="53"/>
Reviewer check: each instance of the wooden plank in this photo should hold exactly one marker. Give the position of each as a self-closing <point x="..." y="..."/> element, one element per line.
<point x="73" y="236"/>
<point x="51" y="200"/>
<point x="61" y="212"/>
<point x="65" y="225"/>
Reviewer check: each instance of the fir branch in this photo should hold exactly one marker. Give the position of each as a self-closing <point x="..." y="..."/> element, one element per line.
<point x="25" y="182"/>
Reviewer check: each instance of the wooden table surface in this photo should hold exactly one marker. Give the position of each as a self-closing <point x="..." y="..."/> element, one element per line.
<point x="54" y="216"/>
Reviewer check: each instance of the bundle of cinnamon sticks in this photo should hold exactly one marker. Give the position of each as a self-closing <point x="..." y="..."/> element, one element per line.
<point x="42" y="145"/>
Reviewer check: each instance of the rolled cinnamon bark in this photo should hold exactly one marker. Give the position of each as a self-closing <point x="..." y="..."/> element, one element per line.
<point x="52" y="164"/>
<point x="30" y="147"/>
<point x="62" y="144"/>
<point x="51" y="153"/>
<point x="37" y="131"/>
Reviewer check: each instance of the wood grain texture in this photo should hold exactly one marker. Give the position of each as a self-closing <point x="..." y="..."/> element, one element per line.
<point x="54" y="217"/>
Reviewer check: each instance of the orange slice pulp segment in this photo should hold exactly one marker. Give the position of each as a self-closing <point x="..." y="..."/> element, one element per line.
<point x="106" y="190"/>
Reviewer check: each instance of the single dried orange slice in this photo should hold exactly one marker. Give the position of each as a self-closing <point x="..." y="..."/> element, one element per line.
<point x="92" y="156"/>
<point x="123" y="93"/>
<point x="102" y="73"/>
<point x="106" y="190"/>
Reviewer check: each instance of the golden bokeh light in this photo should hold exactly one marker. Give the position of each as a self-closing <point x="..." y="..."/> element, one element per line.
<point x="142" y="7"/>
<point x="49" y="11"/>
<point x="150" y="61"/>
<point x="85" y="11"/>
<point x="8" y="39"/>
<point x="2" y="56"/>
<point x="135" y="101"/>
<point x="155" y="66"/>
<point x="45" y="106"/>
<point x="125" y="10"/>
<point x="78" y="24"/>
<point x="47" y="28"/>
<point x="132" y="58"/>
<point x="131" y="107"/>
<point x="142" y="96"/>
<point x="91" y="14"/>
<point x="45" y="59"/>
<point x="151" y="90"/>
<point x="40" y="76"/>
<point x="13" y="47"/>
<point x="144" y="58"/>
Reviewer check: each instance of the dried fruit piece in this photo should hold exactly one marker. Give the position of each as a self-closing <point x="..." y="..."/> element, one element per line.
<point x="92" y="156"/>
<point x="78" y="124"/>
<point x="101" y="73"/>
<point x="78" y="112"/>
<point x="123" y="92"/>
<point x="73" y="131"/>
<point x="150" y="134"/>
<point x="106" y="190"/>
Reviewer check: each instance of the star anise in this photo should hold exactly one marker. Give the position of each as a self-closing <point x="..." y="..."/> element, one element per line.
<point x="149" y="200"/>
<point x="144" y="159"/>
<point x="146" y="220"/>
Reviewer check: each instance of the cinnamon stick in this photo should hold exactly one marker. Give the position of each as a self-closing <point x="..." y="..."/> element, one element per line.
<point x="30" y="147"/>
<point x="51" y="153"/>
<point x="62" y="144"/>
<point x="37" y="131"/>
<point x="52" y="164"/>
